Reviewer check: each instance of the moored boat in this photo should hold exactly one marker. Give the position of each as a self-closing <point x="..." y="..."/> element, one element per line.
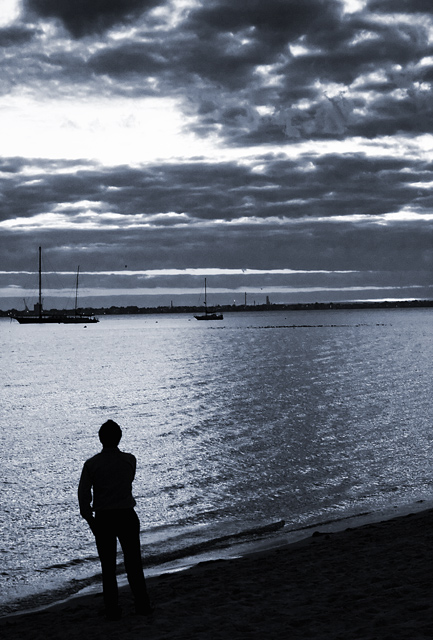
<point x="208" y="315"/>
<point x="39" y="316"/>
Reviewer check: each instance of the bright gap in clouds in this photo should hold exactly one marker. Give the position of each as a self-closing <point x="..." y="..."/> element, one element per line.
<point x="111" y="131"/>
<point x="89" y="218"/>
<point x="9" y="11"/>
<point x="351" y="6"/>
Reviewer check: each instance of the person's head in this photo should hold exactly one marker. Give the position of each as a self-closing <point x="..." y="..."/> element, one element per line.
<point x="110" y="434"/>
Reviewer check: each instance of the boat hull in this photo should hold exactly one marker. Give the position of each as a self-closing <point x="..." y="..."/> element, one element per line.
<point x="210" y="316"/>
<point x="55" y="319"/>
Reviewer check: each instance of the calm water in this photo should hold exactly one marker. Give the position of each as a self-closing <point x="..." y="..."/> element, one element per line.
<point x="301" y="416"/>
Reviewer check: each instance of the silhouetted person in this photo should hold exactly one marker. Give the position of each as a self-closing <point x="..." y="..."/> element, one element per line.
<point x="109" y="475"/>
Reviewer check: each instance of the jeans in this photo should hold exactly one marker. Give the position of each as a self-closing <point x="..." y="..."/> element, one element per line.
<point x="124" y="525"/>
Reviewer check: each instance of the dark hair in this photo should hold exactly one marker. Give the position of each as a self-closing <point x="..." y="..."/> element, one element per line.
<point x="110" y="434"/>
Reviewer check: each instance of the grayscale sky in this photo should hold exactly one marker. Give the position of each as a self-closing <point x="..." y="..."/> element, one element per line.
<point x="278" y="147"/>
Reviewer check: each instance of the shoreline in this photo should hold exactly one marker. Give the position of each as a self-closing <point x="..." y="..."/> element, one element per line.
<point x="369" y="581"/>
<point x="235" y="545"/>
<point x="238" y="544"/>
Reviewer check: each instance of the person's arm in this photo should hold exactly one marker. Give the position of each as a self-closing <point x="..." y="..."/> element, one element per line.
<point x="85" y="498"/>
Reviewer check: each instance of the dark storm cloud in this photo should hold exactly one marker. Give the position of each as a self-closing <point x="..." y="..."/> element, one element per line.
<point x="400" y="6"/>
<point x="217" y="52"/>
<point x="15" y="36"/>
<point x="231" y="43"/>
<point x="132" y="59"/>
<point x="311" y="186"/>
<point x="84" y="17"/>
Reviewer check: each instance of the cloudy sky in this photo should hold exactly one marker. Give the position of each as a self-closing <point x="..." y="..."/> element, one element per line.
<point x="278" y="147"/>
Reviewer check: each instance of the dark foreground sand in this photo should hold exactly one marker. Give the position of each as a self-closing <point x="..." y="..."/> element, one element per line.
<point x="374" y="581"/>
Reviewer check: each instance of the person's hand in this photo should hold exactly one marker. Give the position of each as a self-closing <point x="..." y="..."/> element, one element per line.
<point x="92" y="524"/>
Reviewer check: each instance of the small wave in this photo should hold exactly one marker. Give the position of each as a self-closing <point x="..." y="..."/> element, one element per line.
<point x="66" y="565"/>
<point x="309" y="326"/>
<point x="324" y="523"/>
<point x="213" y="543"/>
<point x="180" y="552"/>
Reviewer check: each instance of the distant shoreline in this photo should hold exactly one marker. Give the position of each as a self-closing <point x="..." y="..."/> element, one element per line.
<point x="308" y="306"/>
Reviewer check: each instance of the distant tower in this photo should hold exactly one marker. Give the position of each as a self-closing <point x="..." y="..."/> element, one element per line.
<point x="268" y="302"/>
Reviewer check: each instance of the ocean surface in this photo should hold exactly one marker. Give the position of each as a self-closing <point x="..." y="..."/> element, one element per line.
<point x="308" y="417"/>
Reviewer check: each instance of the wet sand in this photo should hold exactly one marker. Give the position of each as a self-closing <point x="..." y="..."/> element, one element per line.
<point x="370" y="582"/>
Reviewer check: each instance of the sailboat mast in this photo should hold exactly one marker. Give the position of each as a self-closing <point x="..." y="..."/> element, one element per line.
<point x="205" y="297"/>
<point x="76" y="291"/>
<point x="40" y="282"/>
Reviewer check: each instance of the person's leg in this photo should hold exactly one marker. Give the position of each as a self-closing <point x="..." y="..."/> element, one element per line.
<point x="106" y="544"/>
<point x="129" y="538"/>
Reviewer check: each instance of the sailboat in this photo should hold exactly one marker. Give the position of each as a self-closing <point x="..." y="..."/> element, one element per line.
<point x="38" y="316"/>
<point x="208" y="315"/>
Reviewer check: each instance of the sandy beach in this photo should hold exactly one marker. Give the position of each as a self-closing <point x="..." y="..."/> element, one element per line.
<point x="370" y="582"/>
